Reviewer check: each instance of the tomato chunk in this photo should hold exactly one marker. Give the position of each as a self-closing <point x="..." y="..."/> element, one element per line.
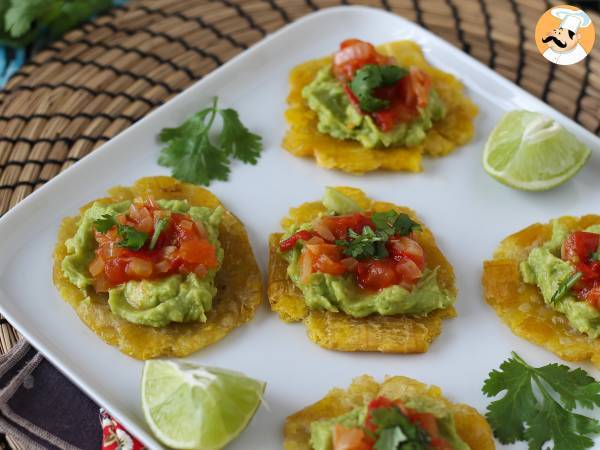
<point x="290" y="243"/>
<point x="579" y="246"/>
<point x="349" y="438"/>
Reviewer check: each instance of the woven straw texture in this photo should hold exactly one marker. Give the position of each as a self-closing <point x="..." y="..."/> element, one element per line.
<point x="99" y="79"/>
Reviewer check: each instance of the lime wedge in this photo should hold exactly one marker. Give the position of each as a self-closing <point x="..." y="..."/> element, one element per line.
<point x="194" y="407"/>
<point x="530" y="151"/>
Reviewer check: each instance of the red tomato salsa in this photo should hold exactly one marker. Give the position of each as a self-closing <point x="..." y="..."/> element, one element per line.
<point x="406" y="97"/>
<point x="424" y="428"/>
<point x="581" y="250"/>
<point x="181" y="247"/>
<point x="324" y="250"/>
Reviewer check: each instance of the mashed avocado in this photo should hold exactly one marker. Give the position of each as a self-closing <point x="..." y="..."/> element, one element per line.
<point x="339" y="118"/>
<point x="341" y="293"/>
<point x="321" y="430"/>
<point x="157" y="302"/>
<point x="547" y="270"/>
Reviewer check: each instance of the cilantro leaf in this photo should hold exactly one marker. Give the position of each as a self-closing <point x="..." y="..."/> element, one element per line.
<point x="25" y="20"/>
<point x="389" y="439"/>
<point x="370" y="77"/>
<point x="105" y="223"/>
<point x="393" y="223"/>
<point x="236" y="140"/>
<point x="193" y="157"/>
<point x="161" y="224"/>
<point x="564" y="287"/>
<point x="595" y="256"/>
<point x="131" y="238"/>
<point x="412" y="436"/>
<point x="522" y="415"/>
<point x="367" y="244"/>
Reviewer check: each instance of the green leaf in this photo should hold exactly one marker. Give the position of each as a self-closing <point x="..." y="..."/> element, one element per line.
<point x="394" y="224"/>
<point x="595" y="256"/>
<point x="564" y="287"/>
<point x="131" y="238"/>
<point x="522" y="415"/>
<point x="236" y="140"/>
<point x="389" y="439"/>
<point x="370" y="77"/>
<point x="104" y="223"/>
<point x="161" y="224"/>
<point x="192" y="156"/>
<point x="368" y="244"/>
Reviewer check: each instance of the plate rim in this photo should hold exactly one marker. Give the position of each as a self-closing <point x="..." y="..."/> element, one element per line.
<point x="11" y="215"/>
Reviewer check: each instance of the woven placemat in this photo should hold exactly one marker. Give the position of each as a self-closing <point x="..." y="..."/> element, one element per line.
<point x="99" y="79"/>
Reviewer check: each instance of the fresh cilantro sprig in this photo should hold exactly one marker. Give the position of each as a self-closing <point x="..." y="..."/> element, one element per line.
<point x="595" y="256"/>
<point x="565" y="286"/>
<point x="368" y="244"/>
<point x="394" y="224"/>
<point x="370" y="77"/>
<point x="23" y="21"/>
<point x="539" y="402"/>
<point x="130" y="237"/>
<point x="396" y="431"/>
<point x="193" y="157"/>
<point x="371" y="243"/>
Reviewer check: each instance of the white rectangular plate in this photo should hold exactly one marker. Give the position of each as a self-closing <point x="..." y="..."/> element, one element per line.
<point x="468" y="212"/>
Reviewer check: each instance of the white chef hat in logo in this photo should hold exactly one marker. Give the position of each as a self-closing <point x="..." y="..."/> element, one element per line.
<point x="571" y="19"/>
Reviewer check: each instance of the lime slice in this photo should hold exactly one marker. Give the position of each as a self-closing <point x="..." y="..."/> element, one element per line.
<point x="530" y="151"/>
<point x="194" y="407"/>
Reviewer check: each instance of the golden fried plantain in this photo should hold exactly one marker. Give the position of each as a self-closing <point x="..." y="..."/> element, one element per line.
<point x="239" y="282"/>
<point x="303" y="138"/>
<point x="521" y="306"/>
<point x="470" y="425"/>
<point x="337" y="331"/>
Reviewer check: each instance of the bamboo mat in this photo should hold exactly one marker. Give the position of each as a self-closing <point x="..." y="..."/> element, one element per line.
<point x="99" y="79"/>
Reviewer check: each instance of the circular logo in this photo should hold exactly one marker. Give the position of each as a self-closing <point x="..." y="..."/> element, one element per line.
<point x="564" y="35"/>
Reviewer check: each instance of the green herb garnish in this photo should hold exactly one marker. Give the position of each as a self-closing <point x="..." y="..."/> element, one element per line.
<point x="394" y="224"/>
<point x="105" y="223"/>
<point x="368" y="244"/>
<point x="396" y="431"/>
<point x="539" y="402"/>
<point x="23" y="21"/>
<point x="564" y="287"/>
<point x="595" y="256"/>
<point x="130" y="237"/>
<point x="192" y="156"/>
<point x="371" y="243"/>
<point x="161" y="224"/>
<point x="370" y="77"/>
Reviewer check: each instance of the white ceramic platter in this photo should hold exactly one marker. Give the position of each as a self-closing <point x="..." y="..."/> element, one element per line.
<point x="467" y="211"/>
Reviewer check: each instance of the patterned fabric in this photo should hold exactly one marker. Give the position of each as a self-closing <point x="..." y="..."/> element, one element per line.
<point x="11" y="59"/>
<point x="114" y="436"/>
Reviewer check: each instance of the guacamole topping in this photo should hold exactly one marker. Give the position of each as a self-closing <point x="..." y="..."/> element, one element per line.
<point x="157" y="301"/>
<point x="546" y="268"/>
<point x="340" y="118"/>
<point x="384" y="423"/>
<point x="381" y="280"/>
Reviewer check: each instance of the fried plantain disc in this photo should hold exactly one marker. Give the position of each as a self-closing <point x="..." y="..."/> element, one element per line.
<point x="521" y="306"/>
<point x="400" y="333"/>
<point x="470" y="425"/>
<point x="303" y="138"/>
<point x="238" y="282"/>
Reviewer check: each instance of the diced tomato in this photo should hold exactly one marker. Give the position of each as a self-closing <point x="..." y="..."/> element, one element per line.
<point x="198" y="251"/>
<point x="592" y="296"/>
<point x="405" y="247"/>
<point x="408" y="272"/>
<point x="290" y="243"/>
<point x="376" y="274"/>
<point x="181" y="248"/>
<point x="426" y="421"/>
<point x="579" y="246"/>
<point x="353" y="55"/>
<point x="114" y="270"/>
<point x="339" y="225"/>
<point x="349" y="438"/>
<point x="326" y="264"/>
